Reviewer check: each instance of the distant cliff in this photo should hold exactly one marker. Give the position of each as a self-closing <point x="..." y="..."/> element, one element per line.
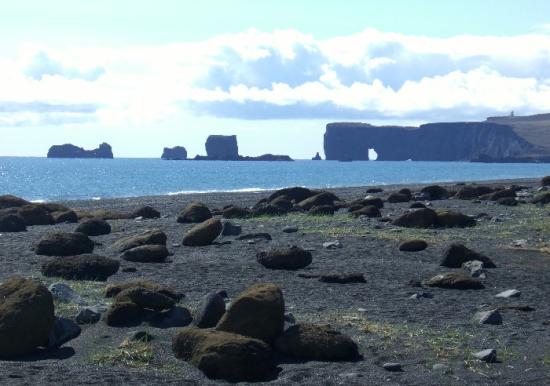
<point x="71" y="151"/>
<point x="458" y="141"/>
<point x="225" y="148"/>
<point x="174" y="153"/>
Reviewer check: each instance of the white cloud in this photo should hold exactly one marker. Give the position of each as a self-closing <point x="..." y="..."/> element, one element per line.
<point x="284" y="74"/>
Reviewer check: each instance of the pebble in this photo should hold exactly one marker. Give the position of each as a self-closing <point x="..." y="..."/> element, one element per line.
<point x="392" y="366"/>
<point x="488" y="355"/>
<point x="511" y="293"/>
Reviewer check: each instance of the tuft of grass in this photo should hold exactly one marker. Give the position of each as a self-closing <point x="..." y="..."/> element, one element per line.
<point x="134" y="354"/>
<point x="545" y="359"/>
<point x="91" y="292"/>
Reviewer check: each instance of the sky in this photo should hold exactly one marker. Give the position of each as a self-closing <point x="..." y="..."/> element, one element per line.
<point x="142" y="75"/>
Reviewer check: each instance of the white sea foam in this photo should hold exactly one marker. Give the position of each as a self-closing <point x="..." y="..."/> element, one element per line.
<point x="38" y="201"/>
<point x="96" y="198"/>
<point x="243" y="190"/>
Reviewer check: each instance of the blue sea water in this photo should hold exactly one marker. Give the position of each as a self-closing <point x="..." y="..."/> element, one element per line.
<point x="65" y="179"/>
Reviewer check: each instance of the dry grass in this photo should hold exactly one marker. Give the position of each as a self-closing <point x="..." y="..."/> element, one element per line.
<point x="134" y="354"/>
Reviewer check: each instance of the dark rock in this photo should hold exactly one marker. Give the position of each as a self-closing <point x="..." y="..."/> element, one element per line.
<point x="146" y="254"/>
<point x="296" y="194"/>
<point x="343" y="278"/>
<point x="145" y="298"/>
<point x="395" y="198"/>
<point x="435" y="192"/>
<point x="317" y="157"/>
<point x="94" y="227"/>
<point x="507" y="201"/>
<point x="292" y="258"/>
<point x="258" y="312"/>
<point x="541" y="199"/>
<point x="223" y="355"/>
<point x="145" y="212"/>
<point x="450" y="219"/>
<point x="63" y="331"/>
<point x="210" y="310"/>
<point x="222" y="147"/>
<point x="421" y="218"/>
<point x="290" y="229"/>
<point x="495" y="196"/>
<point x="413" y="245"/>
<point x="9" y="201"/>
<point x="70" y="151"/>
<point x="374" y="190"/>
<point x="545" y="181"/>
<point x="68" y="216"/>
<point x="82" y="267"/>
<point x="88" y="315"/>
<point x="392" y="366"/>
<point x="174" y="153"/>
<point x="489" y="355"/>
<point x="323" y="198"/>
<point x="124" y="314"/>
<point x="262" y="210"/>
<point x="34" y="215"/>
<point x="255" y="236"/>
<point x="174" y="317"/>
<point x="64" y="244"/>
<point x="457" y="254"/>
<point x="469" y="192"/>
<point x="12" y="223"/>
<point x="321" y="210"/>
<point x="113" y="289"/>
<point x="154" y="236"/>
<point x="488" y="317"/>
<point x="308" y="341"/>
<point x="417" y="205"/>
<point x="203" y="234"/>
<point x="230" y="229"/>
<point x="236" y="212"/>
<point x="64" y="293"/>
<point x="369" y="211"/>
<point x="452" y="280"/>
<point x="195" y="212"/>
<point x="26" y="316"/>
<point x="282" y="202"/>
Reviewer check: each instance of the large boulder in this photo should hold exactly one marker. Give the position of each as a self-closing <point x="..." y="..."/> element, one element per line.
<point x="147" y="212"/>
<point x="233" y="211"/>
<point x="545" y="181"/>
<point x="145" y="298"/>
<point x="369" y="211"/>
<point x="292" y="258"/>
<point x="435" y="192"/>
<point x="469" y="192"/>
<point x="113" y="289"/>
<point x="450" y="219"/>
<point x="26" y="316"/>
<point x="64" y="244"/>
<point x="68" y="216"/>
<point x="223" y="355"/>
<point x="258" y="312"/>
<point x="454" y="280"/>
<point x="323" y="198"/>
<point x="457" y="254"/>
<point x="296" y="194"/>
<point x="146" y="254"/>
<point x="195" y="212"/>
<point x="307" y="341"/>
<point x="12" y="223"/>
<point x="154" y="236"/>
<point x="421" y="218"/>
<point x="94" y="227"/>
<point x="124" y="314"/>
<point x="210" y="311"/>
<point x="541" y="199"/>
<point x="396" y="198"/>
<point x="203" y="234"/>
<point x="81" y="267"/>
<point x="413" y="245"/>
<point x="35" y="215"/>
<point x="9" y="201"/>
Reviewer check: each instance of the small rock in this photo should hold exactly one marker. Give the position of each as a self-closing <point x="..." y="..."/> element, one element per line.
<point x="88" y="315"/>
<point x="441" y="368"/>
<point x="488" y="355"/>
<point x="63" y="331"/>
<point x="511" y="293"/>
<point x="476" y="268"/>
<point x="230" y="229"/>
<point x="332" y="244"/>
<point x="289" y="318"/>
<point x="390" y="366"/>
<point x="488" y="317"/>
<point x="210" y="311"/>
<point x="290" y="229"/>
<point x="176" y="317"/>
<point x="65" y="293"/>
<point x="421" y="295"/>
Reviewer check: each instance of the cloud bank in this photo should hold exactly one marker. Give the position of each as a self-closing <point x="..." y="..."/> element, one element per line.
<point x="280" y="75"/>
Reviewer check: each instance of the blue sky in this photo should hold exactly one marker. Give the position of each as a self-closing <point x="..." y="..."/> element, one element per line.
<point x="144" y="75"/>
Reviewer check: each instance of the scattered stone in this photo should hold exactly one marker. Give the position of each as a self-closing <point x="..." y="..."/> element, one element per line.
<point x="129" y="269"/>
<point x="457" y="254"/>
<point x="82" y="267"/>
<point x="145" y="212"/>
<point x="290" y="229"/>
<point x="421" y="218"/>
<point x="392" y="366"/>
<point x="488" y="317"/>
<point x="224" y="355"/>
<point x="26" y="316"/>
<point x="374" y="190"/>
<point x="123" y="314"/>
<point x="511" y="293"/>
<point x="370" y="211"/>
<point x="289" y="318"/>
<point x="413" y="245"/>
<point x="195" y="212"/>
<point x="323" y="198"/>
<point x="88" y="315"/>
<point x="450" y="219"/>
<point x="453" y="280"/>
<point x="343" y="278"/>
<point x="64" y="244"/>
<point x="336" y="244"/>
<point x="236" y="212"/>
<point x="113" y="289"/>
<point x="203" y="234"/>
<point x="145" y="298"/>
<point x="258" y="312"/>
<point x="435" y="192"/>
<point x="64" y="293"/>
<point x="154" y="236"/>
<point x="417" y="205"/>
<point x="94" y="227"/>
<point x="516" y="307"/>
<point x="440" y="367"/>
<point x="146" y="254"/>
<point x="292" y="258"/>
<point x="63" y="331"/>
<point x="230" y="229"/>
<point x="488" y="355"/>
<point x="68" y="216"/>
<point x="307" y="341"/>
<point x="174" y="317"/>
<point x="210" y="310"/>
<point x="255" y="236"/>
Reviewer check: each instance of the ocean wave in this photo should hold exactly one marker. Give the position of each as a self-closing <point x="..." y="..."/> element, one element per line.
<point x="243" y="190"/>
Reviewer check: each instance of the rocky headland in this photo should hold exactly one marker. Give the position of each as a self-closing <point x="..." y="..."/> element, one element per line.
<point x="71" y="151"/>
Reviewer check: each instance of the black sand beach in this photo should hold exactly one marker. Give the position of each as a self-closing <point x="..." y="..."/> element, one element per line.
<point x="433" y="338"/>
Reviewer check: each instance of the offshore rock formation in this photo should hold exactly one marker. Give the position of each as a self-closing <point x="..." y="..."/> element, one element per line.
<point x="225" y="148"/>
<point x="457" y="141"/>
<point x="174" y="153"/>
<point x="71" y="151"/>
<point x="317" y="157"/>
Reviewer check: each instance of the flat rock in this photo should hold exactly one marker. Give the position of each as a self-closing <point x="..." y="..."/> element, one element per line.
<point x="146" y="254"/>
<point x="88" y="315"/>
<point x="64" y="244"/>
<point x="64" y="293"/>
<point x="292" y="258"/>
<point x="511" y="293"/>
<point x="488" y="317"/>
<point x="453" y="280"/>
<point x="488" y="355"/>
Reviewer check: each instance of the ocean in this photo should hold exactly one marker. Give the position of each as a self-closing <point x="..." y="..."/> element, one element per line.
<point x="45" y="179"/>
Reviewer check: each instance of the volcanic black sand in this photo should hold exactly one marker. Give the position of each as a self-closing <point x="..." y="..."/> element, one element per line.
<point x="378" y="314"/>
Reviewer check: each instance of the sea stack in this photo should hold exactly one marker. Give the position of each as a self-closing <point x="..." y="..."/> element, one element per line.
<point x="317" y="157"/>
<point x="174" y="153"/>
<point x="222" y="147"/>
<point x="71" y="151"/>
